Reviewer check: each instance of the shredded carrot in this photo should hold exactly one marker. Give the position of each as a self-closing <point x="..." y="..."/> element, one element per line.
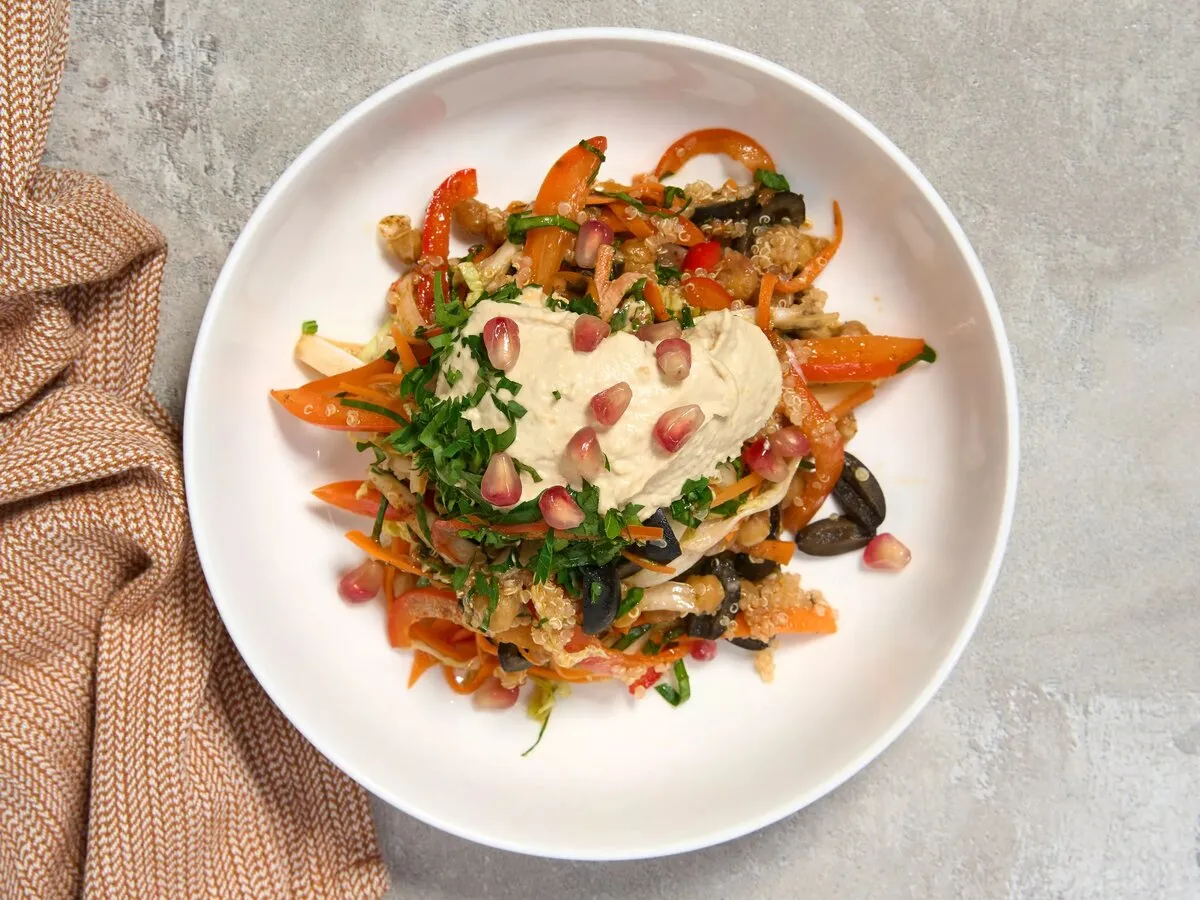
<point x="599" y="200"/>
<point x="644" y="532"/>
<point x="434" y="633"/>
<point x="647" y="564"/>
<point x="389" y="586"/>
<point x="766" y="290"/>
<point x="613" y="221"/>
<point x="422" y="662"/>
<point x="776" y="551"/>
<point x="817" y="264"/>
<point x="654" y="298"/>
<point x="529" y="529"/>
<point x="379" y="399"/>
<point x="388" y="555"/>
<point x="736" y="489"/>
<point x="483" y="645"/>
<point x="855" y="400"/>
<point x="408" y="359"/>
<point x="634" y="222"/>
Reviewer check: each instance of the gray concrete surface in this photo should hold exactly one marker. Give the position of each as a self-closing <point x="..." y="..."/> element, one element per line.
<point x="1062" y="759"/>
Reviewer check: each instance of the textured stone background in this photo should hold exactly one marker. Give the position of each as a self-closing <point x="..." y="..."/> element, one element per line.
<point x="1062" y="759"/>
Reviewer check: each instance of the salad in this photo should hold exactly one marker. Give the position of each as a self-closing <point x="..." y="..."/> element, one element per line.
<point x="588" y="438"/>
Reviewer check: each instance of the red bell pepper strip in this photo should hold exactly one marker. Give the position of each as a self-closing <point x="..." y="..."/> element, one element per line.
<point x="866" y="357"/>
<point x="733" y="144"/>
<point x="824" y="440"/>
<point x="562" y="193"/>
<point x="706" y="293"/>
<point x="317" y="401"/>
<point x="646" y="681"/>
<point x="344" y="495"/>
<point x="435" y="236"/>
<point x="702" y="256"/>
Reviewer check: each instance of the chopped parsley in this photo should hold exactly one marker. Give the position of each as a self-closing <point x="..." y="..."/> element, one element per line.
<point x="772" y="180"/>
<point x="519" y="223"/>
<point x="583" y="306"/>
<point x="378" y="529"/>
<point x="527" y="469"/>
<point x="453" y="376"/>
<point x="692" y="506"/>
<point x="619" y="318"/>
<point x="666" y="274"/>
<point x="626" y="640"/>
<point x="670" y="694"/>
<point x="632" y="598"/>
<point x="308" y="326"/>
<point x="557" y="395"/>
<point x="671" y="193"/>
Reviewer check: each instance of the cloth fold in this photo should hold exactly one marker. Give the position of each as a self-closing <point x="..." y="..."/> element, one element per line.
<point x="138" y="756"/>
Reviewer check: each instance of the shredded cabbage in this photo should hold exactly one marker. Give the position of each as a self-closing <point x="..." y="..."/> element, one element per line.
<point x="475" y="282"/>
<point x="380" y="343"/>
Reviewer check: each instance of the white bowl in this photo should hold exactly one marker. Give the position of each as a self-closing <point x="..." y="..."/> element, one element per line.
<point x="614" y="778"/>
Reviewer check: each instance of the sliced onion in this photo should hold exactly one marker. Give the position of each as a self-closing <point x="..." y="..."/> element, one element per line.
<point x="592" y="234"/>
<point x="674" y="356"/>
<point x="610" y="404"/>
<point x="885" y="552"/>
<point x="675" y="427"/>
<point x="583" y="457"/>
<point x="589" y="332"/>
<point x="501" y="485"/>
<point x="493" y="695"/>
<point x="559" y="508"/>
<point x="762" y="459"/>
<point x="362" y="583"/>
<point x="674" y="596"/>
<point x="502" y="339"/>
<point x="660" y="331"/>
<point x="789" y="442"/>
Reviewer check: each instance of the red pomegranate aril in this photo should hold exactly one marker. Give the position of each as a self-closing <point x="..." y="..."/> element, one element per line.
<point x="592" y="234"/>
<point x="674" y="357"/>
<point x="493" y="695"/>
<point x="362" y="583"/>
<point x="886" y="553"/>
<point x="589" y="332"/>
<point x="702" y="256"/>
<point x="501" y="485"/>
<point x="502" y="340"/>
<point x="789" y="442"/>
<point x="762" y="459"/>
<point x="676" y="426"/>
<point x="610" y="404"/>
<point x="559" y="508"/>
<point x="583" y="457"/>
<point x="704" y="650"/>
<point x="660" y="331"/>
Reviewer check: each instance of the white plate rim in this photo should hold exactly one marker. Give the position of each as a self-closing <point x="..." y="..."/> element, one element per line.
<point x="789" y="805"/>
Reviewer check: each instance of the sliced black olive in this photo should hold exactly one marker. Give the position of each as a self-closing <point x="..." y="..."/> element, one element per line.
<point x="831" y="537"/>
<point x="734" y="210"/>
<point x="860" y="496"/>
<point x="749" y="643"/>
<point x="601" y="597"/>
<point x="711" y="626"/>
<point x="511" y="658"/>
<point x="776" y="523"/>
<point x="627" y="569"/>
<point x="785" y="205"/>
<point x="663" y="551"/>
<point x="754" y="569"/>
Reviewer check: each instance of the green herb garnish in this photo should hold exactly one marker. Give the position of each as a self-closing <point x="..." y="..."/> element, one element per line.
<point x="557" y="395"/>
<point x="664" y="274"/>
<point x="632" y="599"/>
<point x="670" y="193"/>
<point x="519" y="223"/>
<point x="626" y="640"/>
<point x="309" y="326"/>
<point x="692" y="506"/>
<point x="378" y="529"/>
<point x="453" y="376"/>
<point x="686" y="319"/>
<point x="619" y="318"/>
<point x="528" y="470"/>
<point x="670" y="694"/>
<point x="772" y="180"/>
<point x="592" y="148"/>
<point x="373" y="407"/>
<point x="927" y="354"/>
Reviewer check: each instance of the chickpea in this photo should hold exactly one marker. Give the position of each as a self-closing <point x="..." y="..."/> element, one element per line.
<point x="401" y="238"/>
<point x="754" y="529"/>
<point x="639" y="256"/>
<point x="709" y="592"/>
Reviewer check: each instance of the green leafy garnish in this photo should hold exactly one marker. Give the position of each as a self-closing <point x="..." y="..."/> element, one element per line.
<point x="453" y="376"/>
<point x="581" y="306"/>
<point x="730" y="507"/>
<point x="541" y="704"/>
<point x="519" y="223"/>
<point x="529" y="470"/>
<point x="641" y="207"/>
<point x="373" y="407"/>
<point x="665" y="274"/>
<point x="692" y="506"/>
<point x="309" y="326"/>
<point x="686" y="319"/>
<point x="626" y="640"/>
<point x="592" y="148"/>
<point x="557" y="395"/>
<point x="927" y="354"/>
<point x="670" y="694"/>
<point x="632" y="599"/>
<point x="671" y="192"/>
<point x="378" y="529"/>
<point x="772" y="180"/>
<point x="619" y="318"/>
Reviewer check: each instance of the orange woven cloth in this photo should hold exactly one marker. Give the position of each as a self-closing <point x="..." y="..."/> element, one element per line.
<point x="138" y="756"/>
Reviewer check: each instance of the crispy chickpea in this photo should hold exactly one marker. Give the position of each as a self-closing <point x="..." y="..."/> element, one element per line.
<point x="639" y="256"/>
<point x="709" y="592"/>
<point x="400" y="236"/>
<point x="754" y="529"/>
<point x="480" y="219"/>
<point x="737" y="275"/>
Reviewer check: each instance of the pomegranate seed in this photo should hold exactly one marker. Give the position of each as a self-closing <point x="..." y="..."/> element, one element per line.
<point x="704" y="650"/>
<point x="660" y="331"/>
<point x="763" y="459"/>
<point x="676" y="426"/>
<point x="674" y="357"/>
<point x="362" y="582"/>
<point x="502" y="339"/>
<point x="589" y="332"/>
<point x="583" y="457"/>
<point x="501" y="485"/>
<point x="592" y="234"/>
<point x="885" y="552"/>
<point x="493" y="695"/>
<point x="559" y="508"/>
<point x="789" y="442"/>
<point x="610" y="404"/>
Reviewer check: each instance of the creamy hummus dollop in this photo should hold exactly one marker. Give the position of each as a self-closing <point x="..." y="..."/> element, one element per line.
<point x="734" y="379"/>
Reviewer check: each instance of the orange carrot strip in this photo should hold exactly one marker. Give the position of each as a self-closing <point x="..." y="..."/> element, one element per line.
<point x="647" y="564"/>
<point x="644" y="532"/>
<point x="855" y="400"/>
<point x="376" y="397"/>
<point x="776" y="551"/>
<point x="654" y="298"/>
<point x="422" y="662"/>
<point x="384" y="554"/>
<point x="408" y="359"/>
<point x="736" y="489"/>
<point x="766" y="291"/>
